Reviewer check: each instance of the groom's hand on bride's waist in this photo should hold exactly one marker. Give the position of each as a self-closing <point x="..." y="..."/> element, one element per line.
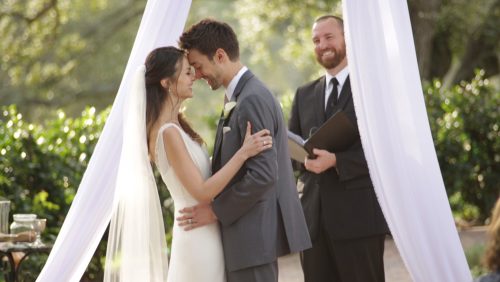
<point x="196" y="216"/>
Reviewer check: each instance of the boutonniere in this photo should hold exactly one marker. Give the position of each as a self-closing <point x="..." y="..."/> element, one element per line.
<point x="228" y="107"/>
<point x="226" y="129"/>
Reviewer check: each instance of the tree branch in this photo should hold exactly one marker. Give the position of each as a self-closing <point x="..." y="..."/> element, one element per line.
<point x="45" y="9"/>
<point x="480" y="50"/>
<point x="99" y="36"/>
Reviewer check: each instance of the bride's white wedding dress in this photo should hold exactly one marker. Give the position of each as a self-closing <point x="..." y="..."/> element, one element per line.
<point x="196" y="255"/>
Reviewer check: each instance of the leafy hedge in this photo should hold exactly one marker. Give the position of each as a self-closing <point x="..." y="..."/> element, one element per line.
<point x="465" y="126"/>
<point x="42" y="166"/>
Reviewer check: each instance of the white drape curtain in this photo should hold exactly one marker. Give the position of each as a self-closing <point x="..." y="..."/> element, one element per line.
<point x="162" y="23"/>
<point x="397" y="140"/>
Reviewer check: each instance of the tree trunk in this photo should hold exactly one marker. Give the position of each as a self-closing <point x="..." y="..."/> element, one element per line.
<point x="424" y="15"/>
<point x="481" y="48"/>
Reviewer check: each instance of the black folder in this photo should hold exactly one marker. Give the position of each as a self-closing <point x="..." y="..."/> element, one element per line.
<point x="335" y="135"/>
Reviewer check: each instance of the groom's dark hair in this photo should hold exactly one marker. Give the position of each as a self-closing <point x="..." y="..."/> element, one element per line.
<point x="208" y="35"/>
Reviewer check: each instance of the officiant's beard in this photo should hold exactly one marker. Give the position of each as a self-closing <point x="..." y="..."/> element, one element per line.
<point x="332" y="62"/>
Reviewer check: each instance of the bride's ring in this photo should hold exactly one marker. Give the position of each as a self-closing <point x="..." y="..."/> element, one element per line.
<point x="190" y="221"/>
<point x="264" y="143"/>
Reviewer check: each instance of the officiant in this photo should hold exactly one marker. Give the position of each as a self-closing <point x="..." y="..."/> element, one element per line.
<point x="345" y="220"/>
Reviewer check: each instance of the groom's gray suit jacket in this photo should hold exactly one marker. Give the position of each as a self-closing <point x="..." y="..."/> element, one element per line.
<point x="259" y="211"/>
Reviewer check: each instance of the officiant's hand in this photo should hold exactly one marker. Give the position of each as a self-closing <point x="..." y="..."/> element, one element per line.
<point x="323" y="161"/>
<point x="196" y="216"/>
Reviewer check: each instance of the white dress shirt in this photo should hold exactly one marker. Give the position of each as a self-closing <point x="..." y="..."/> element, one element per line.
<point x="232" y="85"/>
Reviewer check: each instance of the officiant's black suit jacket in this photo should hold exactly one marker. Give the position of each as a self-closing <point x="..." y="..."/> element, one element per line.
<point x="342" y="199"/>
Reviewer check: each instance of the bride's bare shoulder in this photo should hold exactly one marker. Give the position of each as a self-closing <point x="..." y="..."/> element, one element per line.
<point x="172" y="135"/>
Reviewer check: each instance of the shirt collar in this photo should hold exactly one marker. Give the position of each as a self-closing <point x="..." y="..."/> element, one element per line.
<point x="341" y="77"/>
<point x="232" y="85"/>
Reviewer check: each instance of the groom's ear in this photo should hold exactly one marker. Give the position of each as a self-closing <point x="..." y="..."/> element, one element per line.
<point x="220" y="55"/>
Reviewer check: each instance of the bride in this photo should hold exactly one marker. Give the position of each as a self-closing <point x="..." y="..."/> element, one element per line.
<point x="178" y="152"/>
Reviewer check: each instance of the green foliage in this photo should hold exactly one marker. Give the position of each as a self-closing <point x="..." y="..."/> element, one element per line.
<point x="474" y="257"/>
<point x="455" y="20"/>
<point x="286" y="104"/>
<point x="42" y="166"/>
<point x="53" y="51"/>
<point x="276" y="38"/>
<point x="31" y="267"/>
<point x="464" y="122"/>
<point x="280" y="30"/>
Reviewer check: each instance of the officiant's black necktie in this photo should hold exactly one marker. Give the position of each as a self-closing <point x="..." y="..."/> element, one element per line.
<point x="333" y="99"/>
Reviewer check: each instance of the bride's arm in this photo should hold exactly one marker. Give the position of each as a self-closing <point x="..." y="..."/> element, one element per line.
<point x="189" y="175"/>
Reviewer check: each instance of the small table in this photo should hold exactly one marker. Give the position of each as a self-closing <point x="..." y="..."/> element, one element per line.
<point x="8" y="249"/>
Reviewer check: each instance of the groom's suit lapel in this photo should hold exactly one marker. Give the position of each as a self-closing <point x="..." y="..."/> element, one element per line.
<point x="218" y="141"/>
<point x="216" y="165"/>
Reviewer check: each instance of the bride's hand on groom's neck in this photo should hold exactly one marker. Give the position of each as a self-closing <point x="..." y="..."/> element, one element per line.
<point x="196" y="216"/>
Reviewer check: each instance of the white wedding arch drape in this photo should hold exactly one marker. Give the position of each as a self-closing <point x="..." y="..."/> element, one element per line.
<point x="397" y="140"/>
<point x="161" y="25"/>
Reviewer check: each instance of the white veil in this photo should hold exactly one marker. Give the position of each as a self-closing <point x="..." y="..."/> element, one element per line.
<point x="136" y="242"/>
<point x="97" y="197"/>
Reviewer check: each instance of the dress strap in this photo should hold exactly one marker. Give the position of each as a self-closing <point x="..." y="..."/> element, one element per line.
<point x="167" y="125"/>
<point x="160" y="154"/>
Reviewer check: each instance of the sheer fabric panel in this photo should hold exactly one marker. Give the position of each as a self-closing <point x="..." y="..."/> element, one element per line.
<point x="397" y="140"/>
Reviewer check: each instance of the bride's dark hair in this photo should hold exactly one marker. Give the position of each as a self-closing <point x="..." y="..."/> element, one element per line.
<point x="163" y="62"/>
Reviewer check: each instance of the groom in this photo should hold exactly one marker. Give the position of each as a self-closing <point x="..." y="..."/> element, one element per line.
<point x="259" y="211"/>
